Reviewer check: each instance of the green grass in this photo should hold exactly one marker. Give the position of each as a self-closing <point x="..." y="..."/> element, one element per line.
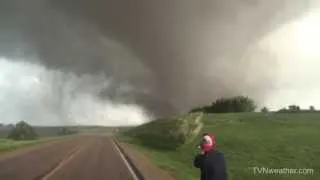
<point x="173" y="132"/>
<point x="247" y="140"/>
<point x="7" y="145"/>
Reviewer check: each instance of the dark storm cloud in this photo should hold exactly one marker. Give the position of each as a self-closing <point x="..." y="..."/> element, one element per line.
<point x="176" y="54"/>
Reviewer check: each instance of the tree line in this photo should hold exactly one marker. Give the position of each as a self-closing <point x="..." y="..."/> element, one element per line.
<point x="23" y="131"/>
<point x="232" y="104"/>
<point x="297" y="109"/>
<point x="244" y="104"/>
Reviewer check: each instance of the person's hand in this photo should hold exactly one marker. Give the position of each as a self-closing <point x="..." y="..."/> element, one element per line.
<point x="202" y="152"/>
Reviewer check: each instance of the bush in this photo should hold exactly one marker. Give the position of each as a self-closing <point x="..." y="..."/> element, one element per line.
<point x="65" y="131"/>
<point x="22" y="131"/>
<point x="166" y="134"/>
<point x="264" y="110"/>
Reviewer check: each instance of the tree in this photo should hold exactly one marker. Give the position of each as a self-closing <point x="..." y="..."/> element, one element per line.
<point x="264" y="110"/>
<point x="65" y="131"/>
<point x="311" y="108"/>
<point x="294" y="108"/>
<point x="233" y="104"/>
<point x="22" y="131"/>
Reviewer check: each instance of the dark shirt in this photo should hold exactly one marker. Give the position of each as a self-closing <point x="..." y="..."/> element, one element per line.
<point x="212" y="166"/>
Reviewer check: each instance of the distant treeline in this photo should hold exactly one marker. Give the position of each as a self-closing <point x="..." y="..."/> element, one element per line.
<point x="245" y="104"/>
<point x="297" y="109"/>
<point x="225" y="105"/>
<point x="24" y="131"/>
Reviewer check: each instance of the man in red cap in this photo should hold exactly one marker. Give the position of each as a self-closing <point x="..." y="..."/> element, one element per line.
<point x="210" y="161"/>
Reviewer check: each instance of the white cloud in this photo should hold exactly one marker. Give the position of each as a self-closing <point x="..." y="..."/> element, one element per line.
<point x="296" y="46"/>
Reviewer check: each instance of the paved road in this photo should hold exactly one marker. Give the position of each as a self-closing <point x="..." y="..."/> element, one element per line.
<point x="81" y="158"/>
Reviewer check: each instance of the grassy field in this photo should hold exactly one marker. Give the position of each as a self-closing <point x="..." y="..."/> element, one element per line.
<point x="10" y="145"/>
<point x="248" y="140"/>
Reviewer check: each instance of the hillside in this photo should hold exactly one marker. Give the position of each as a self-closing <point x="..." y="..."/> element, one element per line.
<point x="247" y="139"/>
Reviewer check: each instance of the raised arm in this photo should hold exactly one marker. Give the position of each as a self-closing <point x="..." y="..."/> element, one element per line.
<point x="198" y="161"/>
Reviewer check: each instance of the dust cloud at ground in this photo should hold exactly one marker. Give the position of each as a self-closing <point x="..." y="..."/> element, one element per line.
<point x="162" y="57"/>
<point x="49" y="97"/>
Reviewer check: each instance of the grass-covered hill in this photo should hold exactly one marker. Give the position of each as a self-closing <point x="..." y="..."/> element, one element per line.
<point x="271" y="140"/>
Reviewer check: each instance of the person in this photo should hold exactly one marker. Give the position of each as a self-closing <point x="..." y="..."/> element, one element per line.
<point x="210" y="161"/>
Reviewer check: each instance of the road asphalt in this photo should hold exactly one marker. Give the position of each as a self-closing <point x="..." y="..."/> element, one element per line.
<point x="87" y="157"/>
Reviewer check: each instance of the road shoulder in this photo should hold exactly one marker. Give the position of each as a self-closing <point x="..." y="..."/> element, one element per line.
<point x="145" y="167"/>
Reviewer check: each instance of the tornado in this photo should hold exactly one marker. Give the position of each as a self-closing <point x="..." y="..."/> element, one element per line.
<point x="119" y="62"/>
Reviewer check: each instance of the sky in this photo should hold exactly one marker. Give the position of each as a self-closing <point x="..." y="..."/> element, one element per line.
<point x="296" y="45"/>
<point x="118" y="62"/>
